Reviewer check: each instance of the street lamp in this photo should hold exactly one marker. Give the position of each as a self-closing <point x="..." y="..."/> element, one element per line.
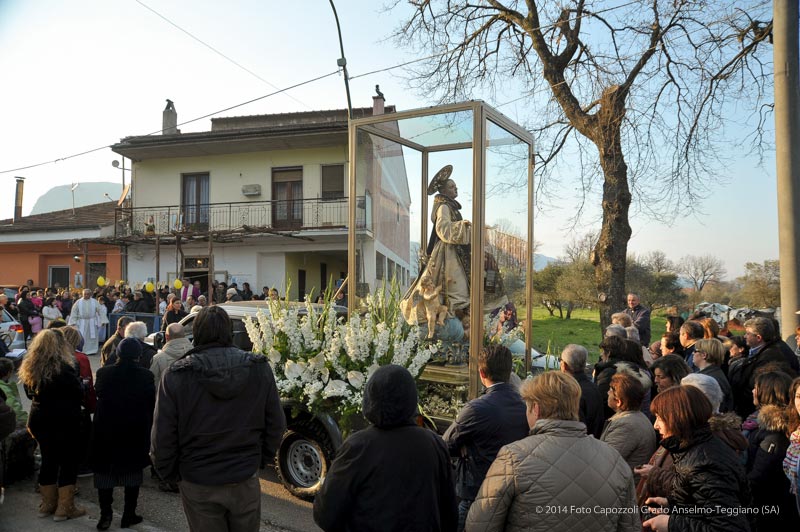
<point x="115" y="164"/>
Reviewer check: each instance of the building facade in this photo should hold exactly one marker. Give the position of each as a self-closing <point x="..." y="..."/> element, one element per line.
<point x="258" y="199"/>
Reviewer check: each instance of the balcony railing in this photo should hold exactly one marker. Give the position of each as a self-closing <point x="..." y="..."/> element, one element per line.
<point x="285" y="215"/>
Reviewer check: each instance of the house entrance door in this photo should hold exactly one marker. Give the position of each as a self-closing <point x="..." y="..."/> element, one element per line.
<point x="58" y="274"/>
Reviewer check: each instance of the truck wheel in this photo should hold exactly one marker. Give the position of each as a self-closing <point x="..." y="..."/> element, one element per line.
<point x="303" y="459"/>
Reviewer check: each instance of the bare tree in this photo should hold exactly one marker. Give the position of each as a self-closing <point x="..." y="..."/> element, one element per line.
<point x="646" y="79"/>
<point x="701" y="270"/>
<point x="658" y="263"/>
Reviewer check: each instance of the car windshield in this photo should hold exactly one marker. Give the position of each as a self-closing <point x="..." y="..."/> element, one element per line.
<point x="240" y="337"/>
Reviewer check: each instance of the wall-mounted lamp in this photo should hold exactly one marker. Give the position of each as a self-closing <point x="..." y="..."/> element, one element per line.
<point x="76" y="258"/>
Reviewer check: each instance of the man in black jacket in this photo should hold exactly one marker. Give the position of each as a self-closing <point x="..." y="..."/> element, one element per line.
<point x="218" y="411"/>
<point x="484" y="425"/>
<point x="760" y="337"/>
<point x="393" y="476"/>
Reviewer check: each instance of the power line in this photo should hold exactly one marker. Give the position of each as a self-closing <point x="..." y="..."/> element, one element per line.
<point x="171" y="23"/>
<point x="158" y="131"/>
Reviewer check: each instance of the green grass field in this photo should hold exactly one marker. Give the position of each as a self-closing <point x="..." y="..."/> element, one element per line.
<point x="551" y="334"/>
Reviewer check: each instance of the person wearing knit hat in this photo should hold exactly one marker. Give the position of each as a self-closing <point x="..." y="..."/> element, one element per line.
<point x="121" y="437"/>
<point x="129" y="349"/>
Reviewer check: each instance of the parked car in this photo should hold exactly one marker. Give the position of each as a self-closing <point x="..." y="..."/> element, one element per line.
<point x="311" y="441"/>
<point x="11" y="331"/>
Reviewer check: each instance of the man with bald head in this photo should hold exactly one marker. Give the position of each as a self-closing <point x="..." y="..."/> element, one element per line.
<point x="177" y="345"/>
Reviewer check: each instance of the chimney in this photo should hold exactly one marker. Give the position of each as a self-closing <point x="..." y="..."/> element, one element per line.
<point x="18" y="199"/>
<point x="377" y="102"/>
<point x="169" y="120"/>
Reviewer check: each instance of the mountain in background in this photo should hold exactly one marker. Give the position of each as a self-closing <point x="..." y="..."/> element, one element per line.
<point x="60" y="198"/>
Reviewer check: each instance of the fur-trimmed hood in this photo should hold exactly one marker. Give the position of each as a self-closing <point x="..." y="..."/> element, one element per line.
<point x="773" y="418"/>
<point x="726" y="421"/>
<point x="726" y="427"/>
<point x="635" y="372"/>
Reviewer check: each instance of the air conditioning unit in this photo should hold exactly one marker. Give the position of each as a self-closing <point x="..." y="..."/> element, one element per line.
<point x="251" y="190"/>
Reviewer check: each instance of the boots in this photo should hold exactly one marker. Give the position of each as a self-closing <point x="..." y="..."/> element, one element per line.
<point x="129" y="516"/>
<point x="106" y="498"/>
<point x="66" y="504"/>
<point x="49" y="500"/>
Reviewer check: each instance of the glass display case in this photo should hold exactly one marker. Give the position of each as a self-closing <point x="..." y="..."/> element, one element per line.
<point x="441" y="213"/>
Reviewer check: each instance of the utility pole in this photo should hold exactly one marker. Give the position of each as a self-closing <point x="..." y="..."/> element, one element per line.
<point x="787" y="156"/>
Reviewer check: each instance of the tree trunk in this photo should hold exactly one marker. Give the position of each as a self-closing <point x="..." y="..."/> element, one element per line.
<point x="569" y="310"/>
<point x="612" y="245"/>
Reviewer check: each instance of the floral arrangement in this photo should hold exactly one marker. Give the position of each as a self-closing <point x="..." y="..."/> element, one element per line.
<point x="323" y="361"/>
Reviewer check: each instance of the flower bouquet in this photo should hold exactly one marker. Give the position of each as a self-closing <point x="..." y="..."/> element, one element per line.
<point x="323" y="361"/>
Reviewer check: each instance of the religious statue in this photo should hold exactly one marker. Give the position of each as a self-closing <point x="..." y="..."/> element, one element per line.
<point x="447" y="259"/>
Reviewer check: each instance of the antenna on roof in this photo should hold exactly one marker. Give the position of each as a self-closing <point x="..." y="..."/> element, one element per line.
<point x="72" y="189"/>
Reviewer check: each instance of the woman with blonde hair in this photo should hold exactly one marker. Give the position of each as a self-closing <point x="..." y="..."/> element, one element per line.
<point x="51" y="380"/>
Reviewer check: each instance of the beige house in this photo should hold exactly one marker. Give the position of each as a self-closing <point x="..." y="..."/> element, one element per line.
<point x="259" y="199"/>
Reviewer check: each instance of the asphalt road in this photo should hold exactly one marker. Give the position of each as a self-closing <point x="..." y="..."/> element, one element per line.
<point x="280" y="512"/>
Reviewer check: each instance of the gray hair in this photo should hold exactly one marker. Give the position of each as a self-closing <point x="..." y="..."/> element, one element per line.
<point x="621" y="318"/>
<point x="762" y="326"/>
<point x="574" y="356"/>
<point x="137" y="329"/>
<point x="615" y="330"/>
<point x="708" y="385"/>
<point x="633" y="334"/>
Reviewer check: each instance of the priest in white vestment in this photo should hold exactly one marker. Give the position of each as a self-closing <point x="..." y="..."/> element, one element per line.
<point x="85" y="316"/>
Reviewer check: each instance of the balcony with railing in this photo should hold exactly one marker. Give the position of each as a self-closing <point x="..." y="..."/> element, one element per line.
<point x="256" y="216"/>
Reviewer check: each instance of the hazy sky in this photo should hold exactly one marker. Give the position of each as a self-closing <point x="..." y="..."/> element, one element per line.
<point x="81" y="75"/>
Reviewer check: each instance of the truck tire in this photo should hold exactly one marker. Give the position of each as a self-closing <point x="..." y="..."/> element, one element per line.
<point x="303" y="459"/>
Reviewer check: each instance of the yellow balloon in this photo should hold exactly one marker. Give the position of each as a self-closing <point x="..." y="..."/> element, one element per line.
<point x="149" y="287"/>
<point x="101" y="281"/>
<point x="177" y="284"/>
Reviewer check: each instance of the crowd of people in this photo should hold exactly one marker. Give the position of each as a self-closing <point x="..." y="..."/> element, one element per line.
<point x="699" y="430"/>
<point x="202" y="414"/>
<point x="89" y="309"/>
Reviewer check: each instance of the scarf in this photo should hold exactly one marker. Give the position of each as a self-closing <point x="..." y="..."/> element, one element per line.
<point x="792" y="459"/>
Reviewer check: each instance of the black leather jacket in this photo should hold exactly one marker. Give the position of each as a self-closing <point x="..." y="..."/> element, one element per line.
<point x="708" y="477"/>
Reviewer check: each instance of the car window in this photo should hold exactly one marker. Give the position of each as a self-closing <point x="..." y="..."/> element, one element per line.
<point x="6" y="317"/>
<point x="240" y="337"/>
<point x="187" y="326"/>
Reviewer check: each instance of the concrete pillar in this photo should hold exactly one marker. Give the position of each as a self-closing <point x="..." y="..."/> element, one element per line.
<point x="787" y="156"/>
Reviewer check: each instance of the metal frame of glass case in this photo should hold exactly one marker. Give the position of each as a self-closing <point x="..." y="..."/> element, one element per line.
<point x="448" y="128"/>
